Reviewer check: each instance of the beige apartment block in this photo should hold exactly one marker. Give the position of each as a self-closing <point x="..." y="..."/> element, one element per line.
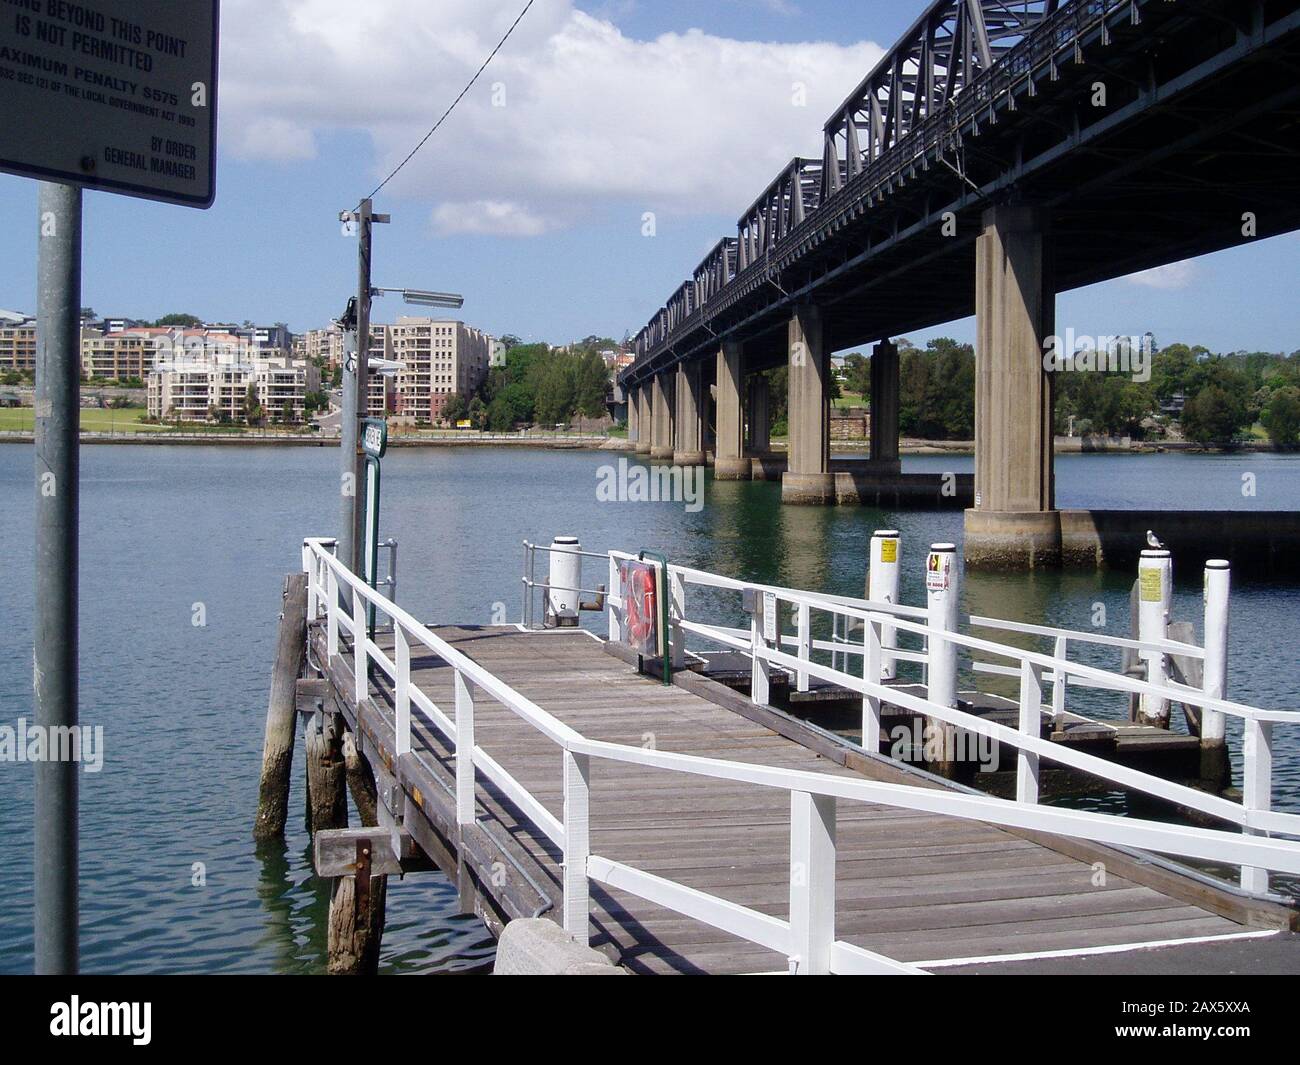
<point x="215" y="386"/>
<point x="439" y="357"/>
<point x="117" y="356"/>
<point x="18" y="348"/>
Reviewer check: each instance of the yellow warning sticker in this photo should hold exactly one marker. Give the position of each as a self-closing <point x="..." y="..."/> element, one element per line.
<point x="888" y="550"/>
<point x="1149" y="578"/>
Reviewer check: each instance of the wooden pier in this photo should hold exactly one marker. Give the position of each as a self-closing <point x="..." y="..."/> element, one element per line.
<point x="912" y="886"/>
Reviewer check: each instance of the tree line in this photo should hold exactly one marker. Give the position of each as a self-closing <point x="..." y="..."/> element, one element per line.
<point x="537" y="386"/>
<point x="1211" y="399"/>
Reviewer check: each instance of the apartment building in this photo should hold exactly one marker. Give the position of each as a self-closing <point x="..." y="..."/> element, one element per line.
<point x="212" y="382"/>
<point x="118" y="356"/>
<point x="17" y="343"/>
<point x="439" y="357"/>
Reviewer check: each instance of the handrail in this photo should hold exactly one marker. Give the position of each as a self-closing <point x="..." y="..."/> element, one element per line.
<point x="807" y="937"/>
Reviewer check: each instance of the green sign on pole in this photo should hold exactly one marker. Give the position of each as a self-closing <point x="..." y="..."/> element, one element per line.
<point x="374" y="442"/>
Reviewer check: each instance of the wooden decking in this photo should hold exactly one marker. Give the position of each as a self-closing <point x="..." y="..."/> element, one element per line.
<point x="911" y="886"/>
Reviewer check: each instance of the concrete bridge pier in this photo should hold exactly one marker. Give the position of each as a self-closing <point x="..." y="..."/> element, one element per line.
<point x="1014" y="522"/>
<point x="758" y="415"/>
<point x="688" y="426"/>
<point x="661" y="419"/>
<point x="884" y="408"/>
<point x="644" y="419"/>
<point x="729" y="462"/>
<point x="808" y="478"/>
<point x="633" y="412"/>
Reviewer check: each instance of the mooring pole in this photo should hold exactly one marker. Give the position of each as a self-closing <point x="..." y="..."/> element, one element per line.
<point x="352" y="536"/>
<point x="54" y="673"/>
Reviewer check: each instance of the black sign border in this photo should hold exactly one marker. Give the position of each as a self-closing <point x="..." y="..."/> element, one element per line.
<point x="143" y="192"/>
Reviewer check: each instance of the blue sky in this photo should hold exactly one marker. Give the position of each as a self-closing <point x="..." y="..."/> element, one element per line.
<point x="531" y="200"/>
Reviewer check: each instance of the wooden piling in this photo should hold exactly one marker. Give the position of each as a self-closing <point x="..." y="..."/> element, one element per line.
<point x="327" y="799"/>
<point x="361" y="781"/>
<point x="356" y="921"/>
<point x="277" y="746"/>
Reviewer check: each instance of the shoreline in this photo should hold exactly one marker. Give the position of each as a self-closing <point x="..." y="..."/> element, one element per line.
<point x="1063" y="446"/>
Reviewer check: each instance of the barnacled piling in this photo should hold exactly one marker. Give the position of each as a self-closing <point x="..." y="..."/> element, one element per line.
<point x="327" y="800"/>
<point x="277" y="747"/>
<point x="356" y="921"/>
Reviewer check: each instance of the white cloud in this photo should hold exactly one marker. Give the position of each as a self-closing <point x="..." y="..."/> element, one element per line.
<point x="1170" y="278"/>
<point x="685" y="123"/>
<point x="488" y="216"/>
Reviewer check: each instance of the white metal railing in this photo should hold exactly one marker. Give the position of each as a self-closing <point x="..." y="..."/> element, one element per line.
<point x="807" y="935"/>
<point x="1035" y="670"/>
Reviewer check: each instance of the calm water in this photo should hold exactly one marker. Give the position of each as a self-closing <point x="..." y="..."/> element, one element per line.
<point x="165" y="528"/>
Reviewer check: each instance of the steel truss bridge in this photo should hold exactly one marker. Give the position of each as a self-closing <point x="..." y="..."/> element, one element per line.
<point x="988" y="102"/>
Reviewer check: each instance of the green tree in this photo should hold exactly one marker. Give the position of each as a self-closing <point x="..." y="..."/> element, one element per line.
<point x="857" y="374"/>
<point x="591" y="383"/>
<point x="1213" y="415"/>
<point x="187" y="321"/>
<point x="1281" y="417"/>
<point x="252" y="407"/>
<point x="454" y="408"/>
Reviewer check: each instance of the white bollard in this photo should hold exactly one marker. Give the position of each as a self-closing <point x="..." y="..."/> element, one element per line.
<point x="1155" y="593"/>
<point x="882" y="587"/>
<point x="563" y="582"/>
<point x="942" y="595"/>
<point x="1214" y="681"/>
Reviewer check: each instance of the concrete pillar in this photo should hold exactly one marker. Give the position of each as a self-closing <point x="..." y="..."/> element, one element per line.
<point x="729" y="462"/>
<point x="808" y="478"/>
<point x="688" y="437"/>
<point x="1013" y="522"/>
<point x="884" y="406"/>
<point x="632" y="412"/>
<point x="644" y="418"/>
<point x="760" y="414"/>
<point x="1015" y="308"/>
<point x="661" y="424"/>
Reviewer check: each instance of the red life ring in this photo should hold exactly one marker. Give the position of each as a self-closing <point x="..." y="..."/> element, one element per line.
<point x="640" y="599"/>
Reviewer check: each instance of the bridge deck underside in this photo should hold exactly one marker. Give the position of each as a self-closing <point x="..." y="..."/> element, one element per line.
<point x="911" y="886"/>
<point x="1198" y="131"/>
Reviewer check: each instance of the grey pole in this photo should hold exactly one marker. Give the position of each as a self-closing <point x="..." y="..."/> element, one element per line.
<point x="54" y="676"/>
<point x="355" y="396"/>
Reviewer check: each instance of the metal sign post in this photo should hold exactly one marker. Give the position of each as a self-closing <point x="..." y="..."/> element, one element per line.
<point x="374" y="442"/>
<point x="356" y="391"/>
<point x="120" y="96"/>
<point x="54" y="648"/>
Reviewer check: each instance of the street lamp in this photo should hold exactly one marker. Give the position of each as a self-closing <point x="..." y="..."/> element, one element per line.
<point x="421" y="298"/>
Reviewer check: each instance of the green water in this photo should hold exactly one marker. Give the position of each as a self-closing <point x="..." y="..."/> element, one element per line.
<point x="165" y="528"/>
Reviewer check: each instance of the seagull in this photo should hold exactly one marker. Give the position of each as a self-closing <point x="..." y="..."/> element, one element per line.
<point x="1153" y="540"/>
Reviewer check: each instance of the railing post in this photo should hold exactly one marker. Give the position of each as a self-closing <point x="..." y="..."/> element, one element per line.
<point x="759" y="669"/>
<point x="331" y="612"/>
<point x="1155" y="572"/>
<point x="812" y="882"/>
<point x="942" y="603"/>
<point x="882" y="587"/>
<point x="309" y="566"/>
<point x="402" y="690"/>
<point x="360" y="655"/>
<point x="464" y="751"/>
<point x="871" y="672"/>
<point x="577" y="845"/>
<point x="1256" y="787"/>
<point x="676" y="612"/>
<point x="1059" y="650"/>
<point x="803" y="643"/>
<point x="941" y="587"/>
<point x="1214" y="674"/>
<point x="1031" y="703"/>
<point x="615" y="602"/>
